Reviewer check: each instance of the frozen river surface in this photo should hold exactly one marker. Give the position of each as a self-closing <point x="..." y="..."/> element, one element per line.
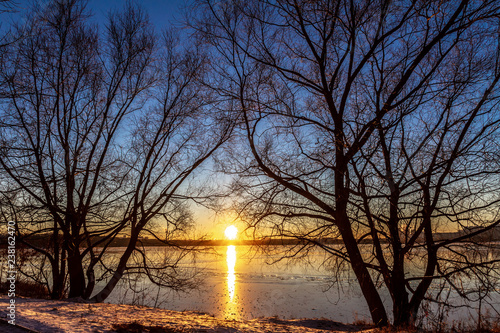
<point x="240" y="283"/>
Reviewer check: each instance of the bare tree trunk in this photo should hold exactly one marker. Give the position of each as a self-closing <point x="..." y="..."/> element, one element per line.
<point x="76" y="274"/>
<point x="90" y="283"/>
<point x="57" y="290"/>
<point x="370" y="292"/>
<point x="401" y="308"/>
<point x="120" y="269"/>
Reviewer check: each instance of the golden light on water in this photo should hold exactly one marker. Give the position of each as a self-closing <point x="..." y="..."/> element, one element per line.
<point x="231" y="312"/>
<point x="231" y="232"/>
<point x="231" y="278"/>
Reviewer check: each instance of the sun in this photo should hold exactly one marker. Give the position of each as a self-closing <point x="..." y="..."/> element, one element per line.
<point x="231" y="232"/>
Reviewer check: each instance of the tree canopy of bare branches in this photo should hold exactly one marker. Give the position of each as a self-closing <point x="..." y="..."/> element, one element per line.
<point x="372" y="121"/>
<point x="101" y="133"/>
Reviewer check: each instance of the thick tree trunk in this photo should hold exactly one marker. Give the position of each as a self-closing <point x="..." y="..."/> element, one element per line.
<point x="370" y="292"/>
<point x="405" y="315"/>
<point x="57" y="291"/>
<point x="401" y="306"/>
<point x="58" y="267"/>
<point x="401" y="311"/>
<point x="76" y="274"/>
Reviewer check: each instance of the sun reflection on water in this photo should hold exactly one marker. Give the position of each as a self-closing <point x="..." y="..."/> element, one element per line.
<point x="231" y="278"/>
<point x="232" y="306"/>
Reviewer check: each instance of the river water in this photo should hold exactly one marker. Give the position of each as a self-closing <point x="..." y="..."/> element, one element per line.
<point x="241" y="282"/>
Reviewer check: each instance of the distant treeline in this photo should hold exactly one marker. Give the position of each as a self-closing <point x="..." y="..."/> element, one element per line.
<point x="42" y="240"/>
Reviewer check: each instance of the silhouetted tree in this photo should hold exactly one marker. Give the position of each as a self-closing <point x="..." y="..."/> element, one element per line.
<point x="101" y="135"/>
<point x="337" y="96"/>
<point x="180" y="132"/>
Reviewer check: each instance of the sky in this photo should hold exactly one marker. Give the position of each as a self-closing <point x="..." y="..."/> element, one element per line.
<point x="162" y="14"/>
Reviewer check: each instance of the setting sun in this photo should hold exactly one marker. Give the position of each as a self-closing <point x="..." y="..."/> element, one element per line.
<point x="231" y="232"/>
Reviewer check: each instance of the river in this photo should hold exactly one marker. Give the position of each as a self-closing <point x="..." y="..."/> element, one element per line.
<point x="241" y="282"/>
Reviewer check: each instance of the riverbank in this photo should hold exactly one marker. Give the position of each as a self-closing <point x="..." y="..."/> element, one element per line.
<point x="47" y="316"/>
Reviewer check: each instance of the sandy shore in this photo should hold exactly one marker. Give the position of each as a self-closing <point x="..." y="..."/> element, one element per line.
<point x="61" y="316"/>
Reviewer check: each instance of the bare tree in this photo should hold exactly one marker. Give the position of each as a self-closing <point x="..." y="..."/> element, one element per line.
<point x="67" y="99"/>
<point x="315" y="83"/>
<point x="426" y="189"/>
<point x="180" y="132"/>
<point x="101" y="134"/>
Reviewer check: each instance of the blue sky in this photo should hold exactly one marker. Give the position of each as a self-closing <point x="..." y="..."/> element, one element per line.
<point x="162" y="13"/>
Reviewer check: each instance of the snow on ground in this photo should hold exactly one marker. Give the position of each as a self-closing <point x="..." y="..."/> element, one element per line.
<point x="61" y="316"/>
